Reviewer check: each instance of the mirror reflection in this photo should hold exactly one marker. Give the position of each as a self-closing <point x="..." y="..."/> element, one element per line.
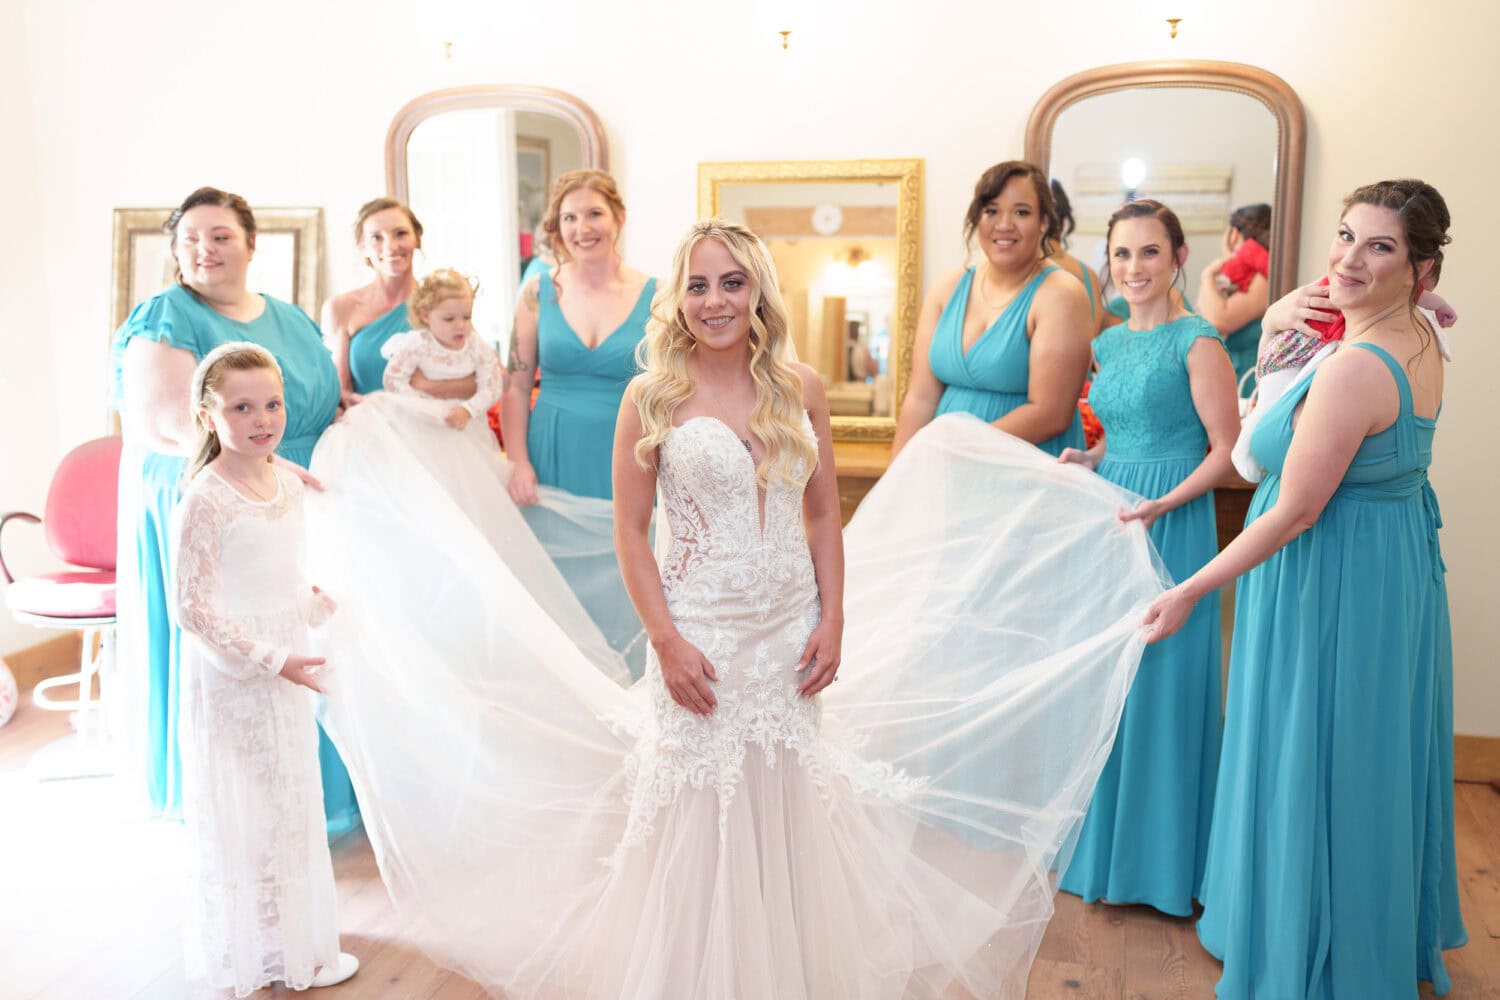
<point x="478" y="178"/>
<point x="1203" y="152"/>
<point x="836" y="253"/>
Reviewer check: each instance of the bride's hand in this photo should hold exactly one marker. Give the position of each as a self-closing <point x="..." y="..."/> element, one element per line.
<point x="686" y="673"/>
<point x="823" y="653"/>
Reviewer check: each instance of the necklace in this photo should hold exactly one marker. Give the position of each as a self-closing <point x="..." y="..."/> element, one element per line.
<point x="716" y="395"/>
<point x="249" y="488"/>
<point x="983" y="297"/>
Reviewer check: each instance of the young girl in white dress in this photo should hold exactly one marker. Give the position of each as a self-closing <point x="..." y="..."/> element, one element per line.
<point x="263" y="908"/>
<point x="443" y="348"/>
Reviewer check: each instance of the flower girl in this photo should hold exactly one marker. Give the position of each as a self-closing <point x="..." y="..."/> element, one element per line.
<point x="264" y="908"/>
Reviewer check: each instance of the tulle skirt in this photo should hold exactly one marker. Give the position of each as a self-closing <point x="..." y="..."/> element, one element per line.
<point x="902" y="848"/>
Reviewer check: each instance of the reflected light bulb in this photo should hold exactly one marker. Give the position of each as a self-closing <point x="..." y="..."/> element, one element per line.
<point x="1132" y="172"/>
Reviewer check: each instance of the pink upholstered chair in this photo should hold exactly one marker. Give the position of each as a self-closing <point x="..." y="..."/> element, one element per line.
<point x="79" y="525"/>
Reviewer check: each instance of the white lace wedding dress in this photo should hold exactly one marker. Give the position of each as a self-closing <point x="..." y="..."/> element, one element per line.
<point x="554" y="835"/>
<point x="263" y="903"/>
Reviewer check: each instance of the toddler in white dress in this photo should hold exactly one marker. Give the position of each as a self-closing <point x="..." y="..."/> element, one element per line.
<point x="443" y="348"/>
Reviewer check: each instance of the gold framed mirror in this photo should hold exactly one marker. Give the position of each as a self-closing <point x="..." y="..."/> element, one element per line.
<point x="1210" y="136"/>
<point x="846" y="238"/>
<point x="476" y="165"/>
<point x="287" y="263"/>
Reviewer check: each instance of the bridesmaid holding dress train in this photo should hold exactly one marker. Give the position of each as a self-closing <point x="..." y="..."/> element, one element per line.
<point x="1165" y="395"/>
<point x="1332" y="872"/>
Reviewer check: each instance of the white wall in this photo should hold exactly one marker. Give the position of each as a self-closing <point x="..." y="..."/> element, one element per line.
<point x="29" y="441"/>
<point x="288" y="102"/>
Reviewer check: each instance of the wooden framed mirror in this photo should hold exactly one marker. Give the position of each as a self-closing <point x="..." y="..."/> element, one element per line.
<point x="476" y="165"/>
<point x="1211" y="136"/>
<point x="846" y="238"/>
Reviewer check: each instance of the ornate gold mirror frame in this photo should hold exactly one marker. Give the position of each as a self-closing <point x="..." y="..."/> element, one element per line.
<point x="1267" y="88"/>
<point x="541" y="100"/>
<point x="906" y="175"/>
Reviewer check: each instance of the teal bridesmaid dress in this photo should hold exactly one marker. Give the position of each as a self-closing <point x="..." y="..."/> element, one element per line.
<point x="1331" y="868"/>
<point x="1145" y="838"/>
<point x="366" y="366"/>
<point x="570" y="437"/>
<point x="149" y="489"/>
<point x="1244" y="346"/>
<point x="990" y="379"/>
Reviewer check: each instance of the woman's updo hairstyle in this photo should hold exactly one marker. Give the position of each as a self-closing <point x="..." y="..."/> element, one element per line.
<point x="993" y="181"/>
<point x="1147" y="208"/>
<point x="375" y="205"/>
<point x="208" y="196"/>
<point x="1424" y="216"/>
<point x="1253" y="222"/>
<point x="1062" y="211"/>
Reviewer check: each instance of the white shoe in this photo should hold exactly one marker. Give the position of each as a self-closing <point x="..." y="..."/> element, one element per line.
<point x="339" y="970"/>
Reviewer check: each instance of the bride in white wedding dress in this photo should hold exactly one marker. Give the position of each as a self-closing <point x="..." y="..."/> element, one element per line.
<point x="726" y="828"/>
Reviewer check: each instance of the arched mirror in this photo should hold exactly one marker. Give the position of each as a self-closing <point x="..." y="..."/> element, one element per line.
<point x="476" y="165"/>
<point x="845" y="236"/>
<point x="1204" y="137"/>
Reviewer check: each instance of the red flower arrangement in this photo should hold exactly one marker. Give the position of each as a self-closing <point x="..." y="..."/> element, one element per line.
<point x="1093" y="430"/>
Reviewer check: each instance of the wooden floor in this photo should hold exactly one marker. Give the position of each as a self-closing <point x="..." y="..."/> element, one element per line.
<point x="90" y="905"/>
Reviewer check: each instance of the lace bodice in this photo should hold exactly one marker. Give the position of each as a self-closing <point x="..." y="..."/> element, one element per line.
<point x="1142" y="396"/>
<point x="219" y="527"/>
<point x="743" y="591"/>
<point x="418" y="350"/>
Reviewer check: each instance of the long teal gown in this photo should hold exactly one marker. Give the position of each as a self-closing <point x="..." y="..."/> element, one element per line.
<point x="366" y="366"/>
<point x="1243" y="346"/>
<point x="1331" y="867"/>
<point x="570" y="437"/>
<point x="990" y="379"/>
<point x="1145" y="838"/>
<point x="149" y="491"/>
<point x="570" y="442"/>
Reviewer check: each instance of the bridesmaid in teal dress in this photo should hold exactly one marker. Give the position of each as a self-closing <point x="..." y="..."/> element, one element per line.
<point x="582" y="324"/>
<point x="357" y="323"/>
<point x="1331" y="871"/>
<point x="1063" y="208"/>
<point x="1008" y="339"/>
<point x="154" y="355"/>
<point x="1165" y="395"/>
<point x="1237" y="316"/>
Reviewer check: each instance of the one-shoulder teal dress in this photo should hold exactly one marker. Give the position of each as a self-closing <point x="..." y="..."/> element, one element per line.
<point x="570" y="437"/>
<point x="148" y="493"/>
<point x="366" y="365"/>
<point x="1145" y="838"/>
<point x="991" y="379"/>
<point x="1331" y="866"/>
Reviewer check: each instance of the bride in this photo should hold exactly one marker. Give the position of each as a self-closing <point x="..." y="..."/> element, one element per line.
<point x="735" y="825"/>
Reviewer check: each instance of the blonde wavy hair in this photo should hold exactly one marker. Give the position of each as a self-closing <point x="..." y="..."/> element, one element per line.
<point x="235" y="356"/>
<point x="444" y="283"/>
<point x="791" y="454"/>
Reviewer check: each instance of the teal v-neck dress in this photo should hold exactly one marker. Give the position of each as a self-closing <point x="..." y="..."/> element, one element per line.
<point x="1331" y="866"/>
<point x="1145" y="838"/>
<point x="570" y="437"/>
<point x="992" y="378"/>
<point x="148" y="493"/>
<point x="366" y="365"/>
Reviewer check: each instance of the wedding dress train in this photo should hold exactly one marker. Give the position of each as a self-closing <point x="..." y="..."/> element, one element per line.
<point x="552" y="834"/>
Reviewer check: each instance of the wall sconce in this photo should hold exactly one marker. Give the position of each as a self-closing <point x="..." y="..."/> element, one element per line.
<point x="1132" y="173"/>
<point x="1174" y="22"/>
